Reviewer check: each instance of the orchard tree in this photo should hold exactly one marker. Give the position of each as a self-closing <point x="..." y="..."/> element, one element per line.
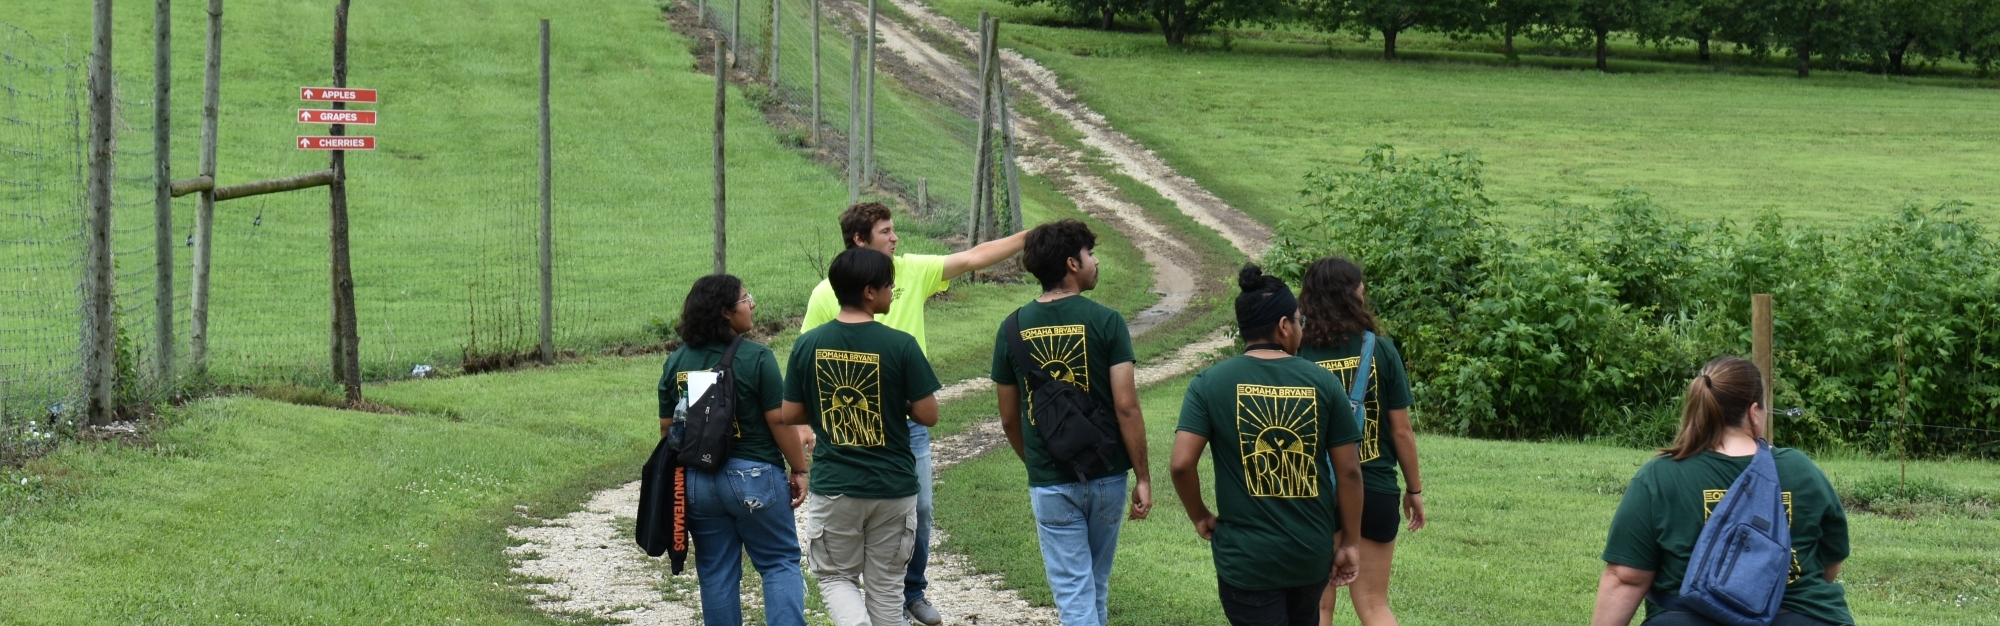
<point x="1805" y="28"/>
<point x="1180" y="18"/>
<point x="1975" y="33"/>
<point x="1891" y="30"/>
<point x="1391" y="18"/>
<point x="1508" y="18"/>
<point x="1104" y="12"/>
<point x="1595" y="20"/>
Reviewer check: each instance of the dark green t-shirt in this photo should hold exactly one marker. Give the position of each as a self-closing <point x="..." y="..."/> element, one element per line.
<point x="1388" y="390"/>
<point x="1076" y="340"/>
<point x="1669" y="501"/>
<point x="758" y="391"/>
<point x="856" y="382"/>
<point x="1274" y="521"/>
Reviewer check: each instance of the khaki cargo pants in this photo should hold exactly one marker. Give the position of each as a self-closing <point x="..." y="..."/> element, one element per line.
<point x="855" y="540"/>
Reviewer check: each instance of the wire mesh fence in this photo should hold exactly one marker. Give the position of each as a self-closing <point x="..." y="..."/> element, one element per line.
<point x="444" y="217"/>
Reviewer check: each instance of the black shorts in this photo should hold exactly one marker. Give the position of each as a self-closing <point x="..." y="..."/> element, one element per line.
<point x="1381" y="516"/>
<point x="1290" y="606"/>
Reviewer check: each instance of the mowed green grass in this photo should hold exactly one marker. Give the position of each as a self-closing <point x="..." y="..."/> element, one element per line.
<point x="1247" y="124"/>
<point x="1515" y="533"/>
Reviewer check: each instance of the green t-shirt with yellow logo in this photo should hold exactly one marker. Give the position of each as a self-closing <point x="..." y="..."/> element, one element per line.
<point x="856" y="382"/>
<point x="1074" y="339"/>
<point x="918" y="277"/>
<point x="1388" y="390"/>
<point x="1668" y="502"/>
<point x="758" y="391"/>
<point x="1269" y="424"/>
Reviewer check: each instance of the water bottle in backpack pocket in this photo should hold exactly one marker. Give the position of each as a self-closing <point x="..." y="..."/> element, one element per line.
<point x="708" y="431"/>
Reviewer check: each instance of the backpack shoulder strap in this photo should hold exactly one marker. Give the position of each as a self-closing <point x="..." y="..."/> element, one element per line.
<point x="1359" y="392"/>
<point x="1022" y="362"/>
<point x="729" y="354"/>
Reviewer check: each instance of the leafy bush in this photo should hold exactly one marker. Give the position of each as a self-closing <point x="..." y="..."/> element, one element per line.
<point x="1590" y="321"/>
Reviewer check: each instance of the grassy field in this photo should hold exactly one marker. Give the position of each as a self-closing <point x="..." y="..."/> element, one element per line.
<point x="1516" y="529"/>
<point x="1248" y="123"/>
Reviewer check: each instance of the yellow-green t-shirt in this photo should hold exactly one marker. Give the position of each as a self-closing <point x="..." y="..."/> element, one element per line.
<point x="918" y="277"/>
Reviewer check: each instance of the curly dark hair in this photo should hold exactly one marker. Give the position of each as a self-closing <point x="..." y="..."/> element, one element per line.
<point x="1049" y="248"/>
<point x="859" y="221"/>
<point x="701" y="314"/>
<point x="1333" y="312"/>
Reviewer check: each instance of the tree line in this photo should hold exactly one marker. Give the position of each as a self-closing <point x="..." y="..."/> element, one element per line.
<point x="1895" y="36"/>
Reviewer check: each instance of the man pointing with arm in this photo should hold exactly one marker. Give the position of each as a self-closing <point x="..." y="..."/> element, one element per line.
<point x="918" y="277"/>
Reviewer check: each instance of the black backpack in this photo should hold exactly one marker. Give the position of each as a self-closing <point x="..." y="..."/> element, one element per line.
<point x="1080" y="436"/>
<point x="709" y="433"/>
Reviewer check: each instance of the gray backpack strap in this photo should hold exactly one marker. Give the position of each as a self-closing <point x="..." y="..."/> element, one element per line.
<point x="1357" y="394"/>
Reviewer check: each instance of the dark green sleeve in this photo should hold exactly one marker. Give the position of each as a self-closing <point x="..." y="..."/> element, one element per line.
<point x="1121" y="340"/>
<point x="1833" y="544"/>
<point x="769" y="384"/>
<point x="1395" y="386"/>
<point x="920" y="382"/>
<point x="1634" y="540"/>
<point x="1003" y="360"/>
<point x="1335" y="408"/>
<point x="1194" y="410"/>
<point x="797" y="374"/>
<point x="669" y="395"/>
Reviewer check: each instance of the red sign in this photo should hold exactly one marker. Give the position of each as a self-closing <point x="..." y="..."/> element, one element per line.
<point x="336" y="94"/>
<point x="336" y="116"/>
<point x="336" y="143"/>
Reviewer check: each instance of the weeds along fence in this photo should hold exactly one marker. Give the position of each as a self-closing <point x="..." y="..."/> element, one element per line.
<point x="445" y="222"/>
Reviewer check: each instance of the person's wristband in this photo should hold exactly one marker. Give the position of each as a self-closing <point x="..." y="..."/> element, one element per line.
<point x="1412" y="492"/>
<point x="800" y="472"/>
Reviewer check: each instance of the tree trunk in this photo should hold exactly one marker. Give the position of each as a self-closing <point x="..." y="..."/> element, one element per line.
<point x="1507" y="41"/>
<point x="1603" y="54"/>
<point x="1701" y="46"/>
<point x="1805" y="60"/>
<point x="1109" y="14"/>
<point x="1897" y="53"/>
<point x="1389" y="43"/>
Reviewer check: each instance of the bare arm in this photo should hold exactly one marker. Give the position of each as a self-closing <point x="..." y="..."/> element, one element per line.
<point x="1184" y="467"/>
<point x="1010" y="418"/>
<point x="1619" y="592"/>
<point x="789" y="443"/>
<point x="1406" y="457"/>
<point x="1132" y="429"/>
<point x="792" y="413"/>
<point x="1347" y="486"/>
<point x="1832" y="571"/>
<point x="925" y="411"/>
<point x="984" y="255"/>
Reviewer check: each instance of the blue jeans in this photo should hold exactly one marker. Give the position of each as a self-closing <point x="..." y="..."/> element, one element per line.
<point x="1078" y="526"/>
<point x="745" y="507"/>
<point x="914" y="581"/>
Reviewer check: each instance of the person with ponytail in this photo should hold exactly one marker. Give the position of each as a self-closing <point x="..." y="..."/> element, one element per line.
<point x="746" y="505"/>
<point x="1335" y="306"/>
<point x="1654" y="531"/>
<point x="1275" y="420"/>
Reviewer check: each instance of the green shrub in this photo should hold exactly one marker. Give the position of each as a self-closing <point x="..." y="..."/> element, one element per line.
<point x="1589" y="321"/>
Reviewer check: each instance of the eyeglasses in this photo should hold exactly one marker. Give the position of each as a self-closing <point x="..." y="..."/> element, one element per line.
<point x="747" y="298"/>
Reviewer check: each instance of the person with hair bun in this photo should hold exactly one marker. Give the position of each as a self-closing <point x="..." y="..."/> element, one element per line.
<point x="1653" y="534"/>
<point x="1335" y="306"/>
<point x="1275" y="419"/>
<point x="746" y="505"/>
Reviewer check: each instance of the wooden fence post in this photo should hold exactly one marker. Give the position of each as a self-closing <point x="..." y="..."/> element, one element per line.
<point x="777" y="23"/>
<point x="100" y="336"/>
<point x="721" y="186"/>
<point x="854" y="119"/>
<point x="735" y="31"/>
<point x="1014" y="222"/>
<point x="816" y="88"/>
<point x="548" y="347"/>
<point x="1761" y="354"/>
<point x="979" y="145"/>
<point x="163" y="199"/>
<point x="923" y="195"/>
<point x="204" y="216"/>
<point x="347" y="355"/>
<point x="868" y="147"/>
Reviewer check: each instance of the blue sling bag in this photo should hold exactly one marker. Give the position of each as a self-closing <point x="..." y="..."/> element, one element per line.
<point x="1358" y="392"/>
<point x="1743" y="556"/>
